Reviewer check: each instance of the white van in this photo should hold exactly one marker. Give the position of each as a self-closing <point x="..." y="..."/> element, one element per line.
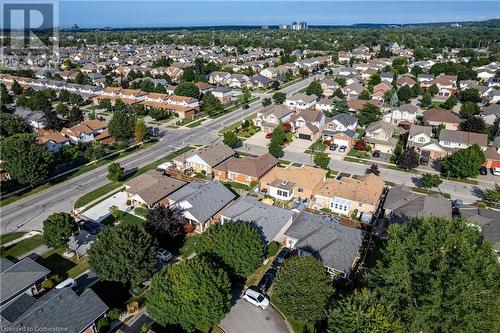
<point x="68" y="283"/>
<point x="256" y="298"/>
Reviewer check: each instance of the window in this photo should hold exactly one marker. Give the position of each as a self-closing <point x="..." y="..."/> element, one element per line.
<point x="421" y="139"/>
<point x="336" y="206"/>
<point x="300" y="190"/>
<point x="280" y="193"/>
<point x="345" y="208"/>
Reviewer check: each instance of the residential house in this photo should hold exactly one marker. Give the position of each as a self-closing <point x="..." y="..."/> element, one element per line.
<point x="271" y="221"/>
<point x="379" y="136"/>
<point x="486" y="220"/>
<point x="86" y="131"/>
<point x="22" y="277"/>
<point x="298" y="182"/>
<point x="203" y="159"/>
<point x="348" y="195"/>
<point x="447" y="85"/>
<point x="308" y="124"/>
<point x="341" y="122"/>
<point x="245" y="170"/>
<point x="326" y="104"/>
<point x="270" y="116"/>
<point x="35" y="120"/>
<point x="352" y="91"/>
<point x="300" y="101"/>
<point x="183" y="106"/>
<point x="238" y="81"/>
<point x="329" y="86"/>
<point x="419" y="136"/>
<point x="456" y="140"/>
<point x="200" y="204"/>
<point x="357" y="104"/>
<point x="435" y="117"/>
<point x="258" y="81"/>
<point x="405" y="81"/>
<point x="53" y="141"/>
<point x="218" y="78"/>
<point x="405" y="114"/>
<point x="401" y="204"/>
<point x="224" y="95"/>
<point x="63" y="309"/>
<point x="338" y="246"/>
<point x="151" y="188"/>
<point x="380" y="89"/>
<point x="386" y="77"/>
<point x="490" y="113"/>
<point x="421" y="78"/>
<point x="204" y="87"/>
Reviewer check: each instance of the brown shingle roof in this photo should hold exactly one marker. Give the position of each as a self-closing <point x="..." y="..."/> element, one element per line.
<point x="250" y="166"/>
<point x="365" y="189"/>
<point x="153" y="186"/>
<point x="443" y="116"/>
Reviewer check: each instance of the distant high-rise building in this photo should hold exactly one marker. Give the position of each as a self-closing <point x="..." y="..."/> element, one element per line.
<point x="294" y="26"/>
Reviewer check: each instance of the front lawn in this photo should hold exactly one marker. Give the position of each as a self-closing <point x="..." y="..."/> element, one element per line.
<point x="358" y="153"/>
<point x="62" y="266"/>
<point x="238" y="186"/>
<point x="6" y="238"/>
<point x="318" y="146"/>
<point x="25" y="246"/>
<point x="140" y="211"/>
<point x="188" y="247"/>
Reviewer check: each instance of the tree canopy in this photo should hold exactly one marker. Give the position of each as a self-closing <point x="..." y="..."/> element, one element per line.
<point x="188" y="89"/>
<point x="122" y="125"/>
<point x="428" y="274"/>
<point x="236" y="246"/>
<point x="302" y="289"/>
<point x="125" y="254"/>
<point x="165" y="225"/>
<point x="368" y="114"/>
<point x="463" y="163"/>
<point x="314" y="88"/>
<point x="57" y="229"/>
<point x="211" y="104"/>
<point x="193" y="293"/>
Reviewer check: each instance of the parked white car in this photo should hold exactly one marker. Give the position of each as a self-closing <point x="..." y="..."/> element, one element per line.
<point x="256" y="298"/>
<point x="68" y="283"/>
<point x="163" y="255"/>
<point x="496" y="171"/>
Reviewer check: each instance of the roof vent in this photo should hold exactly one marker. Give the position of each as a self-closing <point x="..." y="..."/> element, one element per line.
<point x="284" y="182"/>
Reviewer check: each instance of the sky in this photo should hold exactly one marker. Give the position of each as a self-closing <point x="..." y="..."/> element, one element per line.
<point x="169" y="13"/>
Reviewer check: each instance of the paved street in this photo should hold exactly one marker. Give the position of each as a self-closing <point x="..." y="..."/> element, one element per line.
<point x="247" y="318"/>
<point x="29" y="213"/>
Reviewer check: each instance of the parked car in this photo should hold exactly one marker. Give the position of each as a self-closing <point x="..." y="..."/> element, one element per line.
<point x="163" y="255"/>
<point x="68" y="283"/>
<point x="424" y="160"/>
<point x="91" y="227"/>
<point x="269" y="135"/>
<point x="342" y="149"/>
<point x="483" y="170"/>
<point x="256" y="298"/>
<point x="334" y="147"/>
<point x="267" y="279"/>
<point x="280" y="258"/>
<point x="245" y="107"/>
<point x="376" y="153"/>
<point x="495" y="171"/>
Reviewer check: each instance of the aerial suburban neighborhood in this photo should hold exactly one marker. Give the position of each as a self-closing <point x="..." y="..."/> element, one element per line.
<point x="251" y="178"/>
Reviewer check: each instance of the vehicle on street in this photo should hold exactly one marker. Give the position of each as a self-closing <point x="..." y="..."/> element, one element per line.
<point x="163" y="255"/>
<point x="424" y="160"/>
<point x="68" y="283"/>
<point x="334" y="147"/>
<point x="495" y="171"/>
<point x="269" y="135"/>
<point x="245" y="107"/>
<point x="256" y="298"/>
<point x="483" y="170"/>
<point x="376" y="153"/>
<point x="342" y="149"/>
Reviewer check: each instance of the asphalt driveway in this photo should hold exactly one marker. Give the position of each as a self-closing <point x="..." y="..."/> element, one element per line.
<point x="247" y="318"/>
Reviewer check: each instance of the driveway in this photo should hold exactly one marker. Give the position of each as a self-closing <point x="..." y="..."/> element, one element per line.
<point x="100" y="211"/>
<point x="258" y="139"/>
<point x="298" y="145"/>
<point x="247" y="318"/>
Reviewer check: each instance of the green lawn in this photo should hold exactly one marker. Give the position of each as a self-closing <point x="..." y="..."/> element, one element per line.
<point x="188" y="247"/>
<point x="91" y="196"/>
<point x="141" y="211"/>
<point x="351" y="159"/>
<point x="75" y="173"/>
<point x="128" y="219"/>
<point x="6" y="238"/>
<point x="358" y="153"/>
<point x="316" y="147"/>
<point x="238" y="186"/>
<point x="22" y="247"/>
<point x="195" y="123"/>
<point x="62" y="266"/>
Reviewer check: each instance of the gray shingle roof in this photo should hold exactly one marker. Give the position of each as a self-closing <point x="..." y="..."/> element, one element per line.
<point x="62" y="308"/>
<point x="212" y="154"/>
<point x="20" y="276"/>
<point x="153" y="186"/>
<point x="269" y="219"/>
<point x="345" y="119"/>
<point x="208" y="200"/>
<point x="337" y="245"/>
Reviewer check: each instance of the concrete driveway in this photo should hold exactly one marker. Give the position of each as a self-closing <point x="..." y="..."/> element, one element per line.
<point x="258" y="139"/>
<point x="100" y="211"/>
<point x="298" y="145"/>
<point x="247" y="318"/>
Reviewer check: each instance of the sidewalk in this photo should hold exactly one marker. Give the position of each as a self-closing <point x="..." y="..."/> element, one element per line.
<point x="17" y="240"/>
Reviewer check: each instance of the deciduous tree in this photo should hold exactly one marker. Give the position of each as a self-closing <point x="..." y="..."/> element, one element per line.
<point x="430" y="180"/>
<point x="193" y="293"/>
<point x="211" y="104"/>
<point x="302" y="289"/>
<point x="322" y="160"/>
<point x="141" y="131"/>
<point x="188" y="89"/>
<point x="279" y="97"/>
<point x="122" y="125"/>
<point x="230" y="139"/>
<point x="115" y="172"/>
<point x="408" y="160"/>
<point x="236" y="246"/>
<point x="125" y="254"/>
<point x="165" y="225"/>
<point x="57" y="229"/>
<point x="464" y="163"/>
<point x="314" y="88"/>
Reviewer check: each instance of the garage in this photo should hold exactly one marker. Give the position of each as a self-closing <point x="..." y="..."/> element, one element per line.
<point x="341" y="142"/>
<point x="305" y="136"/>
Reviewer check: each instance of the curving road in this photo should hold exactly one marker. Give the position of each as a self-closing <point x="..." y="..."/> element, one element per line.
<point x="29" y="213"/>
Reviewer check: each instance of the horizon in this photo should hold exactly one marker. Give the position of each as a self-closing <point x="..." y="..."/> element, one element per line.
<point x="134" y="14"/>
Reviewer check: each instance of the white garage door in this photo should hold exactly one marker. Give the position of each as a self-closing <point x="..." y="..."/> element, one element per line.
<point x="341" y="142"/>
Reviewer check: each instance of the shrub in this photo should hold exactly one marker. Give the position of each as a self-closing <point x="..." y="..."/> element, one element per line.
<point x="360" y="145"/>
<point x="114" y="314"/>
<point x="327" y="143"/>
<point x="102" y="324"/>
<point x="273" y="248"/>
<point x="132" y="307"/>
<point x="48" y="284"/>
<point x="144" y="328"/>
